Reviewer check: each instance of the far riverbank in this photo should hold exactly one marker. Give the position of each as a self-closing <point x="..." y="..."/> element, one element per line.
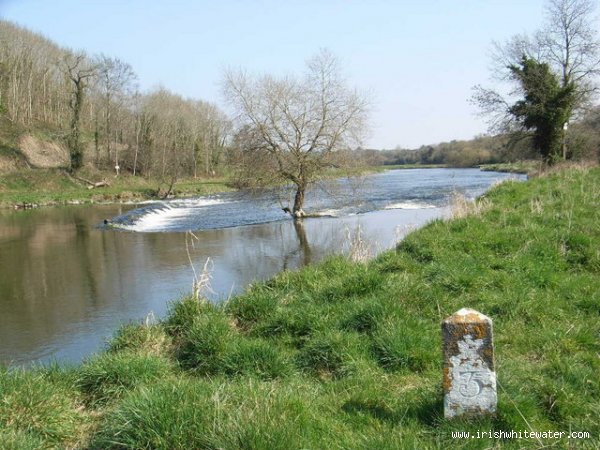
<point x="34" y="188"/>
<point x="55" y="187"/>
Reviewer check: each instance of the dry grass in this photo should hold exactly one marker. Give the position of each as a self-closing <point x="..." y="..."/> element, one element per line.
<point x="561" y="167"/>
<point x="359" y="250"/>
<point x="460" y="206"/>
<point x="43" y="154"/>
<point x="536" y="206"/>
<point x="201" y="284"/>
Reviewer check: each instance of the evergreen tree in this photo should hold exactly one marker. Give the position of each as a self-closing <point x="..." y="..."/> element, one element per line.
<point x="546" y="106"/>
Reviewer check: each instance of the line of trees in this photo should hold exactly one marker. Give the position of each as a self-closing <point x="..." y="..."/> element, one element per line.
<point x="464" y="153"/>
<point x="93" y="103"/>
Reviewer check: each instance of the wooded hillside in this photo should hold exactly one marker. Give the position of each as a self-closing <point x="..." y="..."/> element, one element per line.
<point x="56" y="93"/>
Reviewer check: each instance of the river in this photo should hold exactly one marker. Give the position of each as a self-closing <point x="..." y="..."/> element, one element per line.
<point x="67" y="281"/>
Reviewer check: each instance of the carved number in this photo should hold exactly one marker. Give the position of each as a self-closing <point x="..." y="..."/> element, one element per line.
<point x="470" y="384"/>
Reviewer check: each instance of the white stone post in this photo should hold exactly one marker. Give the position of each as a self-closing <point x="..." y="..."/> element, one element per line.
<point x="469" y="377"/>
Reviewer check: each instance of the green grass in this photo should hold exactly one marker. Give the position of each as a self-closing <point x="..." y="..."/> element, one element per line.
<point x="39" y="409"/>
<point x="526" y="167"/>
<point x="346" y="355"/>
<point x="105" y="378"/>
<point x="412" y="166"/>
<point x="145" y="339"/>
<point x="56" y="187"/>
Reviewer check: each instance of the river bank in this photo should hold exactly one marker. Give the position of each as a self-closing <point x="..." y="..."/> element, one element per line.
<point x="522" y="167"/>
<point x="55" y="187"/>
<point x="32" y="188"/>
<point x="347" y="355"/>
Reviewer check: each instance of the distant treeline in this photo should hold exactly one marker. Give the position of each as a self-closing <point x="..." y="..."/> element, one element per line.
<point x="583" y="142"/>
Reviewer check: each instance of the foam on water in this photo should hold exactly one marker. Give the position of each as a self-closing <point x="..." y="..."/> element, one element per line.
<point x="328" y="213"/>
<point x="162" y="218"/>
<point x="409" y="205"/>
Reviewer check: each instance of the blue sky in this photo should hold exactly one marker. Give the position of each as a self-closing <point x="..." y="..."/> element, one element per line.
<point x="418" y="59"/>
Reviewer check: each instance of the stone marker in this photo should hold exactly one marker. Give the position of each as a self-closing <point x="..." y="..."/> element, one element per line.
<point x="469" y="377"/>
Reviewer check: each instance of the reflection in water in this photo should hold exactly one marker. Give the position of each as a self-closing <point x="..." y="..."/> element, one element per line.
<point x="66" y="285"/>
<point x="303" y="241"/>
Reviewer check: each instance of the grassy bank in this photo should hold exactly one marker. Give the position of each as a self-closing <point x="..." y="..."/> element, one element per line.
<point x="51" y="187"/>
<point x="412" y="166"/>
<point x="43" y="187"/>
<point x="348" y="355"/>
<point x="524" y="167"/>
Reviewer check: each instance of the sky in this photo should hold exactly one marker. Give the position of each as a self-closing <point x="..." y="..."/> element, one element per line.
<point x="417" y="60"/>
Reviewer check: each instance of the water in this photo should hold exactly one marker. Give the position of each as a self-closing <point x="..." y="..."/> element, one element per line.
<point x="414" y="189"/>
<point x="67" y="282"/>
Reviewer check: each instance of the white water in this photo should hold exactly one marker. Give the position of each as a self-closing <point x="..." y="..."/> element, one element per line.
<point x="168" y="215"/>
<point x="409" y="205"/>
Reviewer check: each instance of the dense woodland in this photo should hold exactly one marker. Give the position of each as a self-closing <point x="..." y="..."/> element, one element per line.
<point x="94" y="107"/>
<point x="61" y="93"/>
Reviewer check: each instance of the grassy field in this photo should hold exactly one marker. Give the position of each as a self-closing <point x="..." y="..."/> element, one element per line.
<point x="346" y="355"/>
<point x="55" y="187"/>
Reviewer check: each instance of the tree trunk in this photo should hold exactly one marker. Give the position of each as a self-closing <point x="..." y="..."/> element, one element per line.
<point x="298" y="212"/>
<point x="75" y="150"/>
<point x="107" y="127"/>
<point x="137" y="145"/>
<point x="96" y="140"/>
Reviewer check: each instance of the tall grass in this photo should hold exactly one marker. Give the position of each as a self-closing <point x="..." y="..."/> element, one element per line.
<point x="105" y="378"/>
<point x="36" y="412"/>
<point x="144" y="338"/>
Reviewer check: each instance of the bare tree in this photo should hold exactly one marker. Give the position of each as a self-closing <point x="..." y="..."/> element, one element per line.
<point x="570" y="43"/>
<point x="117" y="83"/>
<point x="32" y="85"/>
<point x="211" y="129"/>
<point x="299" y="123"/>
